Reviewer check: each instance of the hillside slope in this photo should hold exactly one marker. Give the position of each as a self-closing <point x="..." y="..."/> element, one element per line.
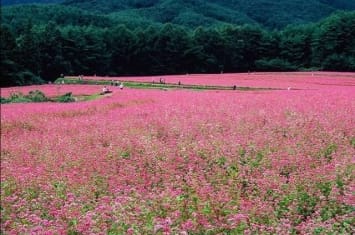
<point x="16" y="2"/>
<point x="272" y="14"/>
<point x="192" y="13"/>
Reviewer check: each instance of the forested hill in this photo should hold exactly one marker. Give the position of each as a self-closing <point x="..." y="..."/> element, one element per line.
<point x="16" y="2"/>
<point x="192" y="13"/>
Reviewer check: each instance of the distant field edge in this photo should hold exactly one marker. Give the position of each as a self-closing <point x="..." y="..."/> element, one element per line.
<point x="156" y="85"/>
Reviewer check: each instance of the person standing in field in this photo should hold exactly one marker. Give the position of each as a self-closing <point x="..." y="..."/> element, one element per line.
<point x="121" y="86"/>
<point x="105" y="90"/>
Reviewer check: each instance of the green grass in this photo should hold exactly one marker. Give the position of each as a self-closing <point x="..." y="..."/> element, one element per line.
<point x="149" y="85"/>
<point x="89" y="97"/>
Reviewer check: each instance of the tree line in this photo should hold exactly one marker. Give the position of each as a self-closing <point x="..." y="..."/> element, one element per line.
<point x="36" y="53"/>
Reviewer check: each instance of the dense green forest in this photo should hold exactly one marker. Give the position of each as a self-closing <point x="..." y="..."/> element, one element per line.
<point x="40" y="42"/>
<point x="15" y="2"/>
<point x="268" y="13"/>
<point x="271" y="14"/>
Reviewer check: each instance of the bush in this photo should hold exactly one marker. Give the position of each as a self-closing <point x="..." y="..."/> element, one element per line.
<point x="18" y="97"/>
<point x="4" y="100"/>
<point x="22" y="99"/>
<point x="37" y="96"/>
<point x="15" y="95"/>
<point x="66" y="98"/>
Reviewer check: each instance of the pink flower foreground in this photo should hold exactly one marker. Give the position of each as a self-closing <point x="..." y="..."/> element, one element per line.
<point x="181" y="162"/>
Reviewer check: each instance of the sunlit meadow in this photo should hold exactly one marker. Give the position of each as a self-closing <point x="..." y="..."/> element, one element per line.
<point x="182" y="162"/>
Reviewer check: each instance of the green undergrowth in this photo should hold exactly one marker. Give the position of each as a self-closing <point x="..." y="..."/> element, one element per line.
<point x="66" y="98"/>
<point x="89" y="97"/>
<point x="32" y="96"/>
<point x="38" y="96"/>
<point x="151" y="85"/>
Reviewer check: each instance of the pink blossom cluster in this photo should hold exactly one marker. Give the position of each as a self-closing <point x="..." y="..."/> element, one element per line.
<point x="293" y="80"/>
<point x="181" y="162"/>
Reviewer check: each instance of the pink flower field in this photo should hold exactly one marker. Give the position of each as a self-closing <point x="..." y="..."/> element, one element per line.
<point x="298" y="80"/>
<point x="183" y="162"/>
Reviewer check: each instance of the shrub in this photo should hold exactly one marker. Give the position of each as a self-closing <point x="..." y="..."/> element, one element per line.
<point x="66" y="98"/>
<point x="4" y="100"/>
<point x="37" y="96"/>
<point x="18" y="97"/>
<point x="21" y="99"/>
